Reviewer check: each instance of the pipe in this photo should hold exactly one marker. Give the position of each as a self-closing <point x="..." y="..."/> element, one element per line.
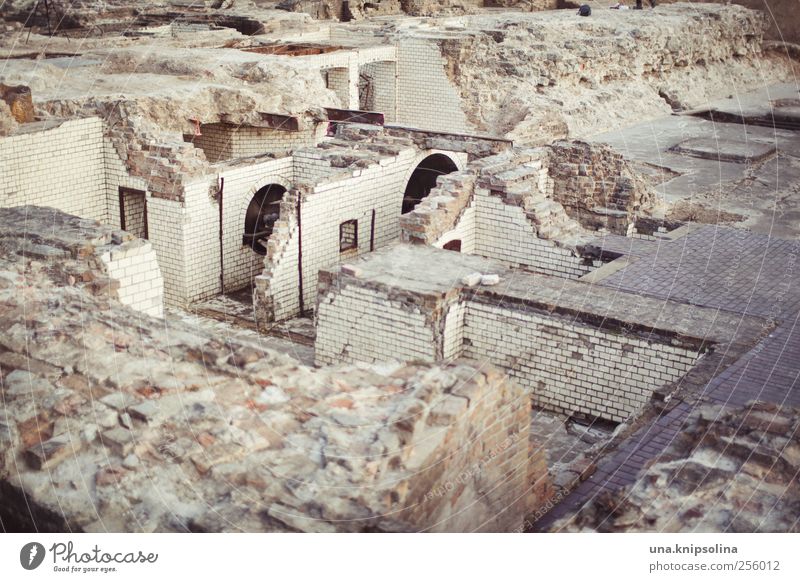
<point x="220" y="190"/>
<point x="300" y="255"/>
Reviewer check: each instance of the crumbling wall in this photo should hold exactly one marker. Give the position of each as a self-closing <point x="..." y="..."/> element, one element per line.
<point x="379" y="88"/>
<point x="204" y="270"/>
<point x="369" y="191"/>
<point x="598" y="187"/>
<point x="534" y="208"/>
<point x="746" y="459"/>
<point x="359" y="323"/>
<point x="504" y="231"/>
<point x="105" y="260"/>
<point x="599" y="359"/>
<point x="109" y="430"/>
<point x="346" y="11"/>
<point x="782" y="16"/>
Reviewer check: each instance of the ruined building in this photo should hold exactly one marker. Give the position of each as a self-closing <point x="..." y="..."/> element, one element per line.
<point x="395" y="266"/>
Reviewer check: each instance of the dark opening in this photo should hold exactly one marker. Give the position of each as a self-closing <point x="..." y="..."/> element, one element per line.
<point x="453" y="245"/>
<point x="133" y="211"/>
<point x="424" y="178"/>
<point x="348" y="235"/>
<point x="262" y="213"/>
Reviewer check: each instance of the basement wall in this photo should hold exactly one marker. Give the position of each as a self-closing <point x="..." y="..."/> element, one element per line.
<point x="63" y="168"/>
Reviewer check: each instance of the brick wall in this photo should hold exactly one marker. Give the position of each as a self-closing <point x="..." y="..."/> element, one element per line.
<point x="503" y="232"/>
<point x="328" y="203"/>
<point x="380" y="94"/>
<point x="357" y="324"/>
<point x="338" y="81"/>
<point x="598" y="359"/>
<point x="200" y="238"/>
<point x="526" y="206"/>
<point x="497" y="475"/>
<point x="569" y="367"/>
<point x="135" y="266"/>
<point x="225" y="141"/>
<point x="165" y="222"/>
<point x="421" y="447"/>
<point x="62" y="168"/>
<point x="425" y="96"/>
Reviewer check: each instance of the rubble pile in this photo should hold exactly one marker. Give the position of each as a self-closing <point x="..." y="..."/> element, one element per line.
<point x="727" y="471"/>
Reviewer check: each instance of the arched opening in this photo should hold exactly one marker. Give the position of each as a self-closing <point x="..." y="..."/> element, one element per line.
<point x="453" y="245"/>
<point x="423" y="179"/>
<point x="262" y="213"/>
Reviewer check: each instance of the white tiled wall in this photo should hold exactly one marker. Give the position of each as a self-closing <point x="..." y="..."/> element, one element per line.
<point x="382" y="94"/>
<point x="567" y="366"/>
<point x="362" y="325"/>
<point x="570" y="367"/>
<point x="200" y="220"/>
<point x="425" y="96"/>
<point x="503" y="232"/>
<point x="63" y="168"/>
<point x="166" y="228"/>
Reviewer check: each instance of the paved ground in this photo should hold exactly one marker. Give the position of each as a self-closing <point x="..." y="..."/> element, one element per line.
<point x="734" y="271"/>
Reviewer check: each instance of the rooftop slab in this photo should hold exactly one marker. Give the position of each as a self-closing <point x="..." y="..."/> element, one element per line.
<point x="425" y="270"/>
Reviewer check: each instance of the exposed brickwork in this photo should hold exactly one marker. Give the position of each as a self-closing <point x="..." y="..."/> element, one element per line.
<point x="605" y="358"/>
<point x="746" y="458"/>
<point x="161" y="424"/>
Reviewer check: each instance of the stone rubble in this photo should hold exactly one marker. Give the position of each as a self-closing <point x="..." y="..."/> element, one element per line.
<point x="729" y="470"/>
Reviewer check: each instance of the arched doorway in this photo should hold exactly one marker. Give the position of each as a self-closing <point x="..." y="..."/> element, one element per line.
<point x="423" y="179"/>
<point x="262" y="213"/>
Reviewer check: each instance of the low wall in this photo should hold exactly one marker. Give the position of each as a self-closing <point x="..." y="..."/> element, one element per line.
<point x="573" y="368"/>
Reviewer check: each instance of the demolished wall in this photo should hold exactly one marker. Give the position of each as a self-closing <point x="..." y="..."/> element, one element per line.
<point x="534" y="208"/>
<point x="84" y="253"/>
<point x="359" y="180"/>
<point x="113" y="421"/>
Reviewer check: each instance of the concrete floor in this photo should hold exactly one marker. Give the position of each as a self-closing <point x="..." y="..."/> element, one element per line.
<point x="759" y="195"/>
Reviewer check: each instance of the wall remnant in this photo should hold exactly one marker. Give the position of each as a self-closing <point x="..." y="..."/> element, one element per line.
<point x="148" y="431"/>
